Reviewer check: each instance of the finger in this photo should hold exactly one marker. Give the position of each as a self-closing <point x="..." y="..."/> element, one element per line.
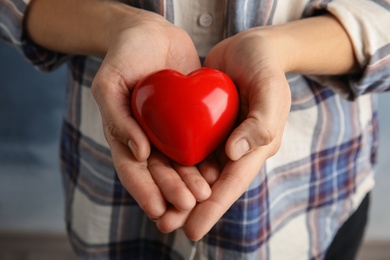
<point x="136" y="178"/>
<point x="210" y="169"/>
<point x="113" y="98"/>
<point x="195" y="182"/>
<point x="172" y="220"/>
<point x="234" y="180"/>
<point x="167" y="179"/>
<point x="266" y="114"/>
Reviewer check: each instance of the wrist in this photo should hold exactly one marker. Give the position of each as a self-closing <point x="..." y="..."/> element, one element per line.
<point x="316" y="46"/>
<point x="74" y="27"/>
<point x="123" y="17"/>
<point x="80" y="27"/>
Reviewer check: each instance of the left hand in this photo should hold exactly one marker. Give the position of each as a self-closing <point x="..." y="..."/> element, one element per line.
<point x="253" y="64"/>
<point x="252" y="61"/>
<point x="257" y="60"/>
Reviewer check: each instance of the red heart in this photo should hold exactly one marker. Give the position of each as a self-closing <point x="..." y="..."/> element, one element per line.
<point x="186" y="117"/>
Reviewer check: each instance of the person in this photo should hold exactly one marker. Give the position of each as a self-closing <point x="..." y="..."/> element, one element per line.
<point x="293" y="178"/>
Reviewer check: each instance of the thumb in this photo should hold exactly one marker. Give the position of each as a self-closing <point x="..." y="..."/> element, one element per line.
<point x="127" y="131"/>
<point x="249" y="135"/>
<point x="268" y="106"/>
<point x="113" y="99"/>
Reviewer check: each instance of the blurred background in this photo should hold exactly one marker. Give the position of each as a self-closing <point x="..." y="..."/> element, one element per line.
<point x="31" y="199"/>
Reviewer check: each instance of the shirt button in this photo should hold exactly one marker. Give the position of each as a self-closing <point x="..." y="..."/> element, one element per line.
<point x="205" y="20"/>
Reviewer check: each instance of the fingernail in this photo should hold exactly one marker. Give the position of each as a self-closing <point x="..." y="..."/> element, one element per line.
<point x="242" y="147"/>
<point x="131" y="146"/>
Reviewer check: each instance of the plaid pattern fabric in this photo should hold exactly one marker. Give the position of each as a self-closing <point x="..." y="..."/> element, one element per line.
<point x="300" y="197"/>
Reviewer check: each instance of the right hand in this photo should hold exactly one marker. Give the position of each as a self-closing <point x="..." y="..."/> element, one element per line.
<point x="140" y="44"/>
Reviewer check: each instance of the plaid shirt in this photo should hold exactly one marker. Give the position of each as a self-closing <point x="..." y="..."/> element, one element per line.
<point x="301" y="196"/>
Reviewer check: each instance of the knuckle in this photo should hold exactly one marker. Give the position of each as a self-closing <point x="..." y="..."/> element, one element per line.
<point x="262" y="135"/>
<point x="266" y="135"/>
<point x="96" y="89"/>
<point x="111" y="130"/>
<point x="273" y="149"/>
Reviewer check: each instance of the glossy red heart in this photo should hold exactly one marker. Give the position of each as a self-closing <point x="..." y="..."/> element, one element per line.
<point x="186" y="117"/>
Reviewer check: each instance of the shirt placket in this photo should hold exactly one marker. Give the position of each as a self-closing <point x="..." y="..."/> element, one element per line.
<point x="203" y="20"/>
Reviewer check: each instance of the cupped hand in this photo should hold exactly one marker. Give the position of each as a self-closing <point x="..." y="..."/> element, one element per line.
<point x="142" y="43"/>
<point x="257" y="60"/>
<point x="252" y="61"/>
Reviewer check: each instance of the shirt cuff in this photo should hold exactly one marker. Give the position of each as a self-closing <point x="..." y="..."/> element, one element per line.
<point x="12" y="30"/>
<point x="366" y="24"/>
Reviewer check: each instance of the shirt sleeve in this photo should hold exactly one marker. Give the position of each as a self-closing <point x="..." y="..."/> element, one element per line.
<point x="12" y="13"/>
<point x="367" y="24"/>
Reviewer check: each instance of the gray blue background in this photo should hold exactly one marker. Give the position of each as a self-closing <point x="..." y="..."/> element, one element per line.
<point x="31" y="107"/>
